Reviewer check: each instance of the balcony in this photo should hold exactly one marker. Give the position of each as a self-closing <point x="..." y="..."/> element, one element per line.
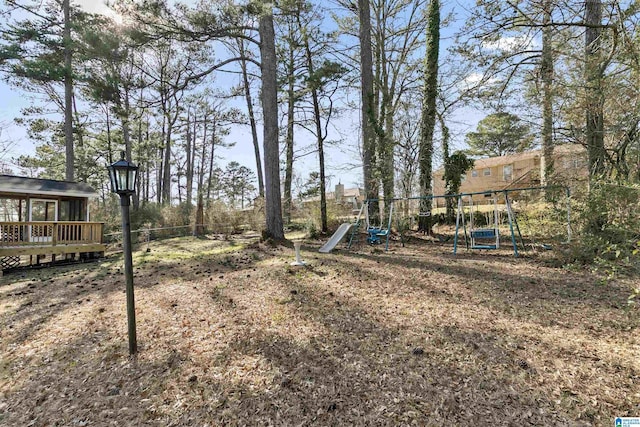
<point x="50" y="238"/>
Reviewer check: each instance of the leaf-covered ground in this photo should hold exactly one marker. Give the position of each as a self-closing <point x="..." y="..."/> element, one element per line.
<point x="230" y="334"/>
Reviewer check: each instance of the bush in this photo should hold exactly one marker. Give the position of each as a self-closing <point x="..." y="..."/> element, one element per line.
<point x="311" y="229"/>
<point x="219" y="218"/>
<point x="543" y="221"/>
<point x="311" y="218"/>
<point x="609" y="224"/>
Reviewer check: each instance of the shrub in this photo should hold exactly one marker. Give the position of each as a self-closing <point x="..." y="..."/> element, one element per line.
<point x="609" y="223"/>
<point x="311" y="229"/>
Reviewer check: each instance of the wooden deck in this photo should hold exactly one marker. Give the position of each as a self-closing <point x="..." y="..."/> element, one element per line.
<point x="50" y="238"/>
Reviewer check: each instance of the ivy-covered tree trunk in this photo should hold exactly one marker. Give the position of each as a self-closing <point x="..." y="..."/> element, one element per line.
<point x="366" y="90"/>
<point x="428" y="119"/>
<point x="594" y="124"/>
<point x="386" y="157"/>
<point x="449" y="201"/>
<point x="273" y="205"/>
<point x="546" y="71"/>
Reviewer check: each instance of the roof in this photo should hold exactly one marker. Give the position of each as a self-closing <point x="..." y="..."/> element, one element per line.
<point x="352" y="192"/>
<point x="489" y="162"/>
<point x="348" y="192"/>
<point x="45" y="187"/>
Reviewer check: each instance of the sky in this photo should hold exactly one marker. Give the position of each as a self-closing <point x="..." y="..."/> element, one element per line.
<point x="342" y="164"/>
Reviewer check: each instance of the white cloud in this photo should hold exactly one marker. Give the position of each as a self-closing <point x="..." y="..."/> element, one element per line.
<point x="97" y="6"/>
<point x="510" y="43"/>
<point x="472" y="81"/>
<point x="93" y="6"/>
<point x="473" y="78"/>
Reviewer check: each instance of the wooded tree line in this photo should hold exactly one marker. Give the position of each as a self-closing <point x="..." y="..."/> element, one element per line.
<point x="156" y="84"/>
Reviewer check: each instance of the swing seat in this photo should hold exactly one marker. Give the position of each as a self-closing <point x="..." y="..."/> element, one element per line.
<point x="374" y="235"/>
<point x="483" y="233"/>
<point x="484" y="247"/>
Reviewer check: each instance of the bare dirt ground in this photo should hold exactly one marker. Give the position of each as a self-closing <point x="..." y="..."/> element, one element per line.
<point x="231" y="334"/>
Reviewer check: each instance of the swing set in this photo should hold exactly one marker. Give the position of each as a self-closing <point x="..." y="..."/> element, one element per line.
<point x="476" y="236"/>
<point x="375" y="233"/>
<point x="488" y="237"/>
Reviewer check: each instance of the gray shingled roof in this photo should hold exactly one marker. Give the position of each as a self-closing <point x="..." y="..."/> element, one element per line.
<point x="19" y="184"/>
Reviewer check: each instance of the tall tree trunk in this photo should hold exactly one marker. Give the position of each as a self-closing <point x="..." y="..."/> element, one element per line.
<point x="149" y="151"/>
<point x="546" y="71"/>
<point x="385" y="117"/>
<point x="199" y="226"/>
<point x="594" y="132"/>
<point x="211" y="159"/>
<point x="166" y="172"/>
<point x="367" y="112"/>
<point x="428" y="119"/>
<point x="171" y="122"/>
<point x="81" y="168"/>
<point x="189" y="165"/>
<point x="179" y="174"/>
<point x="446" y="136"/>
<point x="160" y="162"/>
<point x="68" y="94"/>
<point x="125" y="112"/>
<point x="109" y="147"/>
<point x="319" y="140"/>
<point x="142" y="167"/>
<point x="386" y="154"/>
<point x="288" y="174"/>
<point x="273" y="204"/>
<point x="252" y="119"/>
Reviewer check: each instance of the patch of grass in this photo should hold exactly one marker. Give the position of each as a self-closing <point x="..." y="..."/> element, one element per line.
<point x="186" y="248"/>
<point x="278" y="317"/>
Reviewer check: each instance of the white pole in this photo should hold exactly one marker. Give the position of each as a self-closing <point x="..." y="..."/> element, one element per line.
<point x="298" y="260"/>
<point x="495" y="220"/>
<point x="568" y="215"/>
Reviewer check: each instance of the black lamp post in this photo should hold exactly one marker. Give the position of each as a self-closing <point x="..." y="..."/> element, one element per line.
<point x="123" y="175"/>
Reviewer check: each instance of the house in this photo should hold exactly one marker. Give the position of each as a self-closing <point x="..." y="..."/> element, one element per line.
<point x="44" y="217"/>
<point x="520" y="170"/>
<point x="349" y="198"/>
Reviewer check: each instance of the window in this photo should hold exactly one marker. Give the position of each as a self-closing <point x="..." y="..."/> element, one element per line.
<point x="507" y="172"/>
<point x="13" y="209"/>
<point x="474" y="173"/>
<point x="486" y="172"/>
<point x="463" y="177"/>
<point x="72" y="210"/>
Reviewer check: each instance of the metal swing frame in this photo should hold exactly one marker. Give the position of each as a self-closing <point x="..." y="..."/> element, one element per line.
<point x="513" y="222"/>
<point x="374" y="234"/>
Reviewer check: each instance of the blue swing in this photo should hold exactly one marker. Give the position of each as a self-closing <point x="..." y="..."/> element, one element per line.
<point x="375" y="234"/>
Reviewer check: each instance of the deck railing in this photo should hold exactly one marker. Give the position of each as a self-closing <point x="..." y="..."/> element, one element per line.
<point x="43" y="233"/>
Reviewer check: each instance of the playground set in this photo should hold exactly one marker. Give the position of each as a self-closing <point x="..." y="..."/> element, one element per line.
<point x="476" y="234"/>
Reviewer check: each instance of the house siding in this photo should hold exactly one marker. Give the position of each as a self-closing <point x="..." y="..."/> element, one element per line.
<point x="569" y="162"/>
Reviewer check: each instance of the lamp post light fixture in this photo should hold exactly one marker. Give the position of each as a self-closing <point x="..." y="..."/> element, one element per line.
<point x="123" y="176"/>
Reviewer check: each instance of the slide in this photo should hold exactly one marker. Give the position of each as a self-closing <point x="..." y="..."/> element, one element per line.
<point x="337" y="236"/>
